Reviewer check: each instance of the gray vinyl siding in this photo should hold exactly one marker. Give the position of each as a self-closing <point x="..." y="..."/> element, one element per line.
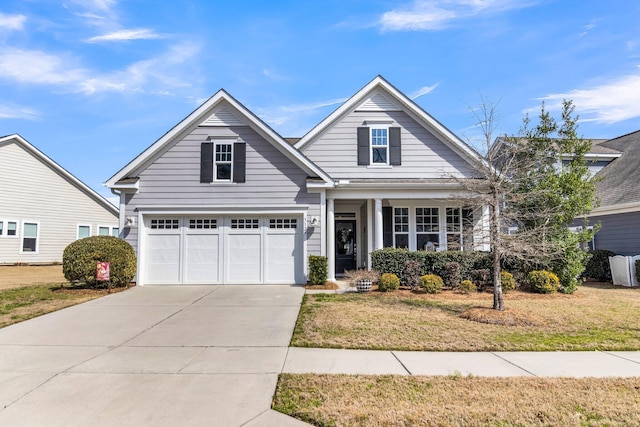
<point x="172" y="179"/>
<point x="423" y="155"/>
<point x="619" y="233"/>
<point x="31" y="191"/>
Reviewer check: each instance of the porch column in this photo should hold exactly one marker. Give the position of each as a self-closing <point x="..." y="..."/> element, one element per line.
<point x="331" y="240"/>
<point x="378" y="223"/>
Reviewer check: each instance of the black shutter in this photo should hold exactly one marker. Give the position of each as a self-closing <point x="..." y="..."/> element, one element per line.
<point x="239" y="161"/>
<point x="395" y="150"/>
<point x="206" y="162"/>
<point x="387" y="227"/>
<point x="363" y="146"/>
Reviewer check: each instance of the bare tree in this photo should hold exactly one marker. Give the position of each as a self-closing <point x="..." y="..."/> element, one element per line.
<point x="521" y="187"/>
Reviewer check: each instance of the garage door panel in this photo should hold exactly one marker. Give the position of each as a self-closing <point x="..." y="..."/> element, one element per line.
<point x="202" y="258"/>
<point x="281" y="255"/>
<point x="163" y="258"/>
<point x="244" y="260"/>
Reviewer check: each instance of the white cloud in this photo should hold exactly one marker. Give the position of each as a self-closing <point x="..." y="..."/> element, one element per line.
<point x="32" y="66"/>
<point x="157" y="75"/>
<point x="606" y="103"/>
<point x="16" y="112"/>
<point x="432" y="15"/>
<point x="12" y="22"/>
<point x="422" y="91"/>
<point x="125" y="35"/>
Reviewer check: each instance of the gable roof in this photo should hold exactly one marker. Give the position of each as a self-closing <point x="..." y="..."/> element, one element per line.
<point x="231" y="112"/>
<point x="397" y="101"/>
<point x="620" y="180"/>
<point x="5" y="140"/>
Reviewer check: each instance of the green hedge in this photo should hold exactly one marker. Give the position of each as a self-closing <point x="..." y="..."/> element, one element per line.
<point x="391" y="260"/>
<point x="318" y="269"/>
<point x="80" y="258"/>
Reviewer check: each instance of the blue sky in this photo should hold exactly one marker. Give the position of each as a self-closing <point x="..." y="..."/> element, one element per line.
<point x="92" y="83"/>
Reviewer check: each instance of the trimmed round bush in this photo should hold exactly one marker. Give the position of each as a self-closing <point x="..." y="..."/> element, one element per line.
<point x="507" y="281"/>
<point x="388" y="282"/>
<point x="467" y="286"/>
<point x="431" y="283"/>
<point x="80" y="259"/>
<point x="543" y="282"/>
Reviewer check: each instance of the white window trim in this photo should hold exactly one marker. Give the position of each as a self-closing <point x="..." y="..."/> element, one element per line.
<point x="438" y="233"/>
<point x="22" y="224"/>
<point x="371" y="162"/>
<point x="115" y="228"/>
<point x="215" y="163"/>
<point x="5" y="228"/>
<point x="78" y="230"/>
<point x="108" y="227"/>
<point x="460" y="232"/>
<point x="409" y="225"/>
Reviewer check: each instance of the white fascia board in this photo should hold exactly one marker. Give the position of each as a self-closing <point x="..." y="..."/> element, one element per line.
<point x="593" y="156"/>
<point x="258" y="125"/>
<point x="613" y="209"/>
<point x="62" y="171"/>
<point x="226" y="210"/>
<point x="447" y="137"/>
<point x="398" y="193"/>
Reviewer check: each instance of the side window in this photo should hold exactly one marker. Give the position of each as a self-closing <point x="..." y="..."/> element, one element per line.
<point x="103" y="230"/>
<point x="29" y="237"/>
<point x="1" y="228"/>
<point x="115" y="231"/>
<point x="12" y="228"/>
<point x="84" y="231"/>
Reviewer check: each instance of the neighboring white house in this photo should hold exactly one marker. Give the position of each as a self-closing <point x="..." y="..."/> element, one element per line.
<point x="43" y="207"/>
<point x="222" y="198"/>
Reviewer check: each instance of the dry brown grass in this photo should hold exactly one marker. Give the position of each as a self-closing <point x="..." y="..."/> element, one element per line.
<point x="340" y="400"/>
<point x="15" y="276"/>
<point x="596" y="317"/>
<point x="328" y="286"/>
<point x="19" y="304"/>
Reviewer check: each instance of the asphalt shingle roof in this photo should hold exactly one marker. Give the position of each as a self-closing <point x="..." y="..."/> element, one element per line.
<point x="620" y="179"/>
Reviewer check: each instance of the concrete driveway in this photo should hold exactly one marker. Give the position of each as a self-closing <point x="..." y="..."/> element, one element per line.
<point x="160" y="356"/>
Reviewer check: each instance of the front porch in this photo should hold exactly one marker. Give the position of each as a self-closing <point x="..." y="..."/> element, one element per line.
<point x="357" y="226"/>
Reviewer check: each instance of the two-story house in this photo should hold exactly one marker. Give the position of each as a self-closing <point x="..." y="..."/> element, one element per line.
<point x="221" y="198"/>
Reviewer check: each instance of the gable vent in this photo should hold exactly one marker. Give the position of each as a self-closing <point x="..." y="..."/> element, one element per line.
<point x="223" y="117"/>
<point x="378" y="102"/>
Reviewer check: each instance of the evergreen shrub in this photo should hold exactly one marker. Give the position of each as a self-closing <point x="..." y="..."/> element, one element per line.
<point x="431" y="283"/>
<point x="80" y="259"/>
<point x="318" y="269"/>
<point x="388" y="282"/>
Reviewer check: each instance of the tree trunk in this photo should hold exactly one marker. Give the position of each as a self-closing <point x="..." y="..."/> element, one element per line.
<point x="498" y="302"/>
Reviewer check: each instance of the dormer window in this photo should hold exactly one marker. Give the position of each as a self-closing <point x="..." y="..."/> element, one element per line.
<point x="379" y="146"/>
<point x="223" y="162"/>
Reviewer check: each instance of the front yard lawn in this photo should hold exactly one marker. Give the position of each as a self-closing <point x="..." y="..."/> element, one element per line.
<point x="342" y="400"/>
<point x="596" y="317"/>
<point x="26" y="302"/>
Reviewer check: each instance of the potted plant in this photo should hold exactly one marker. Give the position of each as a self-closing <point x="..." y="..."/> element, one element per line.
<point x="361" y="278"/>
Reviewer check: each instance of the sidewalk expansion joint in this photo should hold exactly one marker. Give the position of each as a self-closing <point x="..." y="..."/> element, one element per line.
<point x="513" y="364"/>
<point x="401" y="364"/>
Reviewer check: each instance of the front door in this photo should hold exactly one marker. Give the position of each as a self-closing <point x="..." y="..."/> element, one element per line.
<point x="345" y="245"/>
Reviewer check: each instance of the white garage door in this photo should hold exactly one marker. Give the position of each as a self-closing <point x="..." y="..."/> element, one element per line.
<point x="224" y="249"/>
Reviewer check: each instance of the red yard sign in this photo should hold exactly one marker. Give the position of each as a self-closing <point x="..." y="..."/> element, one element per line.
<point x="102" y="272"/>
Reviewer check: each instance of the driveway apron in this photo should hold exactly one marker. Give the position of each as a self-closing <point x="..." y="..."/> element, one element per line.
<point x="161" y="356"/>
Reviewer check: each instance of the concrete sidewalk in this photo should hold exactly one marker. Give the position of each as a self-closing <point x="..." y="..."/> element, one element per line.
<point x="483" y="364"/>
